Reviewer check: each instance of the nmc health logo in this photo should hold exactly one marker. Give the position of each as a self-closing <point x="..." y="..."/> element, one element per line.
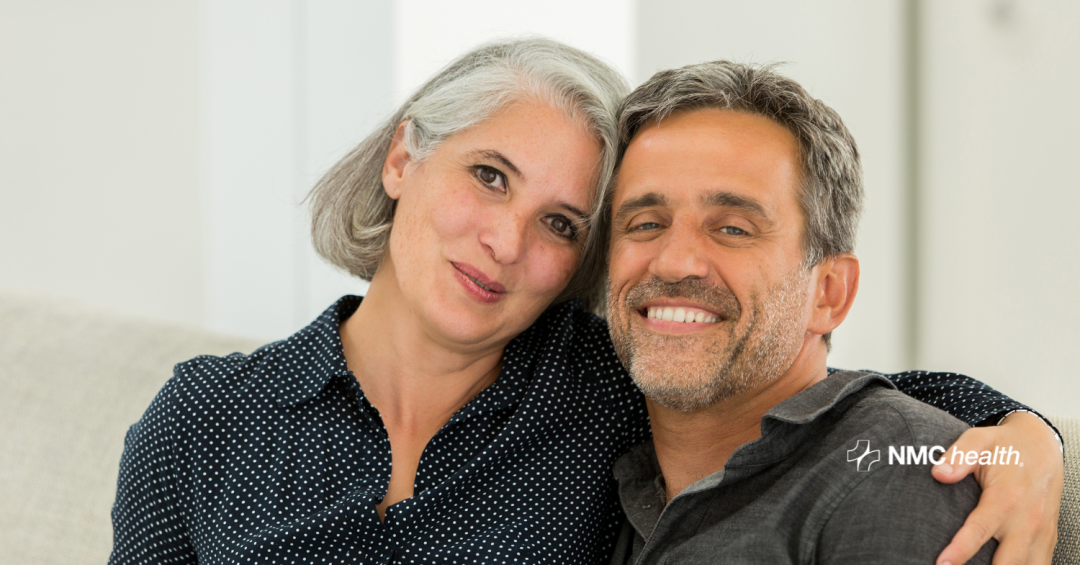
<point x="864" y="456"/>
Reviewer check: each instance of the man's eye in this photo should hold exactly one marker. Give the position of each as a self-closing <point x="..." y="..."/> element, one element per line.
<point x="732" y="230"/>
<point x="562" y="226"/>
<point x="491" y="177"/>
<point x="645" y="226"/>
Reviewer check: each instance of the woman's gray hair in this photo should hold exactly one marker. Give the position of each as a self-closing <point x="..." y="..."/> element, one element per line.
<point x="832" y="189"/>
<point x="351" y="212"/>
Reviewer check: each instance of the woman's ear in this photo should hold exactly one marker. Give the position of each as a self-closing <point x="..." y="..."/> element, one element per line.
<point x="393" y="173"/>
<point x="837" y="281"/>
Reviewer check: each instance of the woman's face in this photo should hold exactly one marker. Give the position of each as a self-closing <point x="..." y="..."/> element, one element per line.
<point x="488" y="230"/>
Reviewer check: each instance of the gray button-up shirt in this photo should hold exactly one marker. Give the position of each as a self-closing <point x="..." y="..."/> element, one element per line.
<point x="817" y="487"/>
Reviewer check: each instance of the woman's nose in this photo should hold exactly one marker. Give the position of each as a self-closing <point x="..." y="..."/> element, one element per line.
<point x="504" y="236"/>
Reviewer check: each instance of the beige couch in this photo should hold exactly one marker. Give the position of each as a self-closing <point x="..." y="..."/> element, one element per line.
<point x="73" y="378"/>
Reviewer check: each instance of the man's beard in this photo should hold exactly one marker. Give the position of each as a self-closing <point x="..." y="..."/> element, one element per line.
<point x="692" y="371"/>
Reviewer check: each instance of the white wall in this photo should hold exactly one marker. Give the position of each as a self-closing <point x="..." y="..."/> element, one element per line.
<point x="428" y="34"/>
<point x="1001" y="195"/>
<point x="288" y="86"/>
<point x="99" y="153"/>
<point x="848" y="53"/>
<point x="153" y="155"/>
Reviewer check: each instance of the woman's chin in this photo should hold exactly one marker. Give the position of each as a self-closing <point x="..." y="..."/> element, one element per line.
<point x="456" y="318"/>
<point x="465" y="324"/>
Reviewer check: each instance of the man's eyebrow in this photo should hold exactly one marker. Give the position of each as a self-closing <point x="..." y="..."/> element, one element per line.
<point x="647" y="200"/>
<point x="731" y="200"/>
<point x="496" y="156"/>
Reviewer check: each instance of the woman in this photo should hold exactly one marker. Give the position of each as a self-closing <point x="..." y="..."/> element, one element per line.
<point x="452" y="414"/>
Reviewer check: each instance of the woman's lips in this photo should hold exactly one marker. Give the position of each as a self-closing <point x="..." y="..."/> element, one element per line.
<point x="477" y="284"/>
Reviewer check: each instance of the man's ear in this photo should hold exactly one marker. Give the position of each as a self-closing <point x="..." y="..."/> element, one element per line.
<point x="837" y="281"/>
<point x="393" y="172"/>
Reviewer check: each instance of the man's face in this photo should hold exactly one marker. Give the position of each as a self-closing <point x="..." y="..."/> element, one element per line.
<point x="708" y="294"/>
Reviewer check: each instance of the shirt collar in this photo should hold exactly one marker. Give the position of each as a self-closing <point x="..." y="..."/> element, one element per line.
<point x="314" y="355"/>
<point x="785" y="427"/>
<point x="308" y="359"/>
<point x="782" y="430"/>
<point x="809" y="404"/>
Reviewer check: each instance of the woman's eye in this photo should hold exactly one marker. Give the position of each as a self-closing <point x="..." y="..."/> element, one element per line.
<point x="491" y="177"/>
<point x="562" y="226"/>
<point x="732" y="230"/>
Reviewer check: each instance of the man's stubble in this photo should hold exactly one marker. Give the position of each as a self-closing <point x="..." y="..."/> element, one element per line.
<point x="694" y="371"/>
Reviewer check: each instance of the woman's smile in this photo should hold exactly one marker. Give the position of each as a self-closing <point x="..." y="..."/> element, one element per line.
<point x="477" y="285"/>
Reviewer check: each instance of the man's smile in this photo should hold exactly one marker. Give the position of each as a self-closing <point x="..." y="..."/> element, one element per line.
<point x="681" y="314"/>
<point x="677" y="315"/>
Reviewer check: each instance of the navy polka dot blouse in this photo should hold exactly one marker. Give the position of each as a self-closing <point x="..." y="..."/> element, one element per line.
<point x="277" y="456"/>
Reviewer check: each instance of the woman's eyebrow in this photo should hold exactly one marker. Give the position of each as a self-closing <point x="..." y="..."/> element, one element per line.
<point x="496" y="156"/>
<point x="582" y="216"/>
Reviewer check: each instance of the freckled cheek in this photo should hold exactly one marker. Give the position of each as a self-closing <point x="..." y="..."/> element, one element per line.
<point x="423" y="223"/>
<point x="455" y="213"/>
<point x="552" y="270"/>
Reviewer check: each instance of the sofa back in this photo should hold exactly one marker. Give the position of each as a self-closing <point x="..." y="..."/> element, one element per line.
<point x="72" y="380"/>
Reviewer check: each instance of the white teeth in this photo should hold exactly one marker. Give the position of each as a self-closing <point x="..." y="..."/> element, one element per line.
<point x="680" y="314"/>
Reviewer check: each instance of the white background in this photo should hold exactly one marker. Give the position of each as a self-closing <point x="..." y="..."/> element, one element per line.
<point x="154" y="155"/>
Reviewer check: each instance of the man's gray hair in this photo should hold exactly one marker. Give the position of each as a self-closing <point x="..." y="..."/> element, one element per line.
<point x="832" y="190"/>
<point x="351" y="212"/>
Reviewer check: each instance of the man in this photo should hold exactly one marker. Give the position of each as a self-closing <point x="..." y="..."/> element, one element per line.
<point x="733" y="224"/>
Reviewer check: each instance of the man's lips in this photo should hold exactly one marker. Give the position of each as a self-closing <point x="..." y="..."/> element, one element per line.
<point x="479" y="278"/>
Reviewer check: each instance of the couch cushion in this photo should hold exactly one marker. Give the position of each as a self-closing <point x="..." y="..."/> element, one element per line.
<point x="1068" y="547"/>
<point x="74" y="378"/>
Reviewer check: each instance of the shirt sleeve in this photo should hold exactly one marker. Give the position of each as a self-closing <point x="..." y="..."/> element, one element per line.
<point x="965" y="398"/>
<point x="898" y="514"/>
<point x="147" y="523"/>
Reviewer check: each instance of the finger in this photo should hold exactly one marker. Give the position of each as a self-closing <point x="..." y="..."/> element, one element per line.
<point x="1042" y="551"/>
<point x="1018" y="548"/>
<point x="955" y="463"/>
<point x="1030" y="541"/>
<point x="981" y="524"/>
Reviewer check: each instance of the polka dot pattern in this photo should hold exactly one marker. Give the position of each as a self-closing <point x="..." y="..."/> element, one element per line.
<point x="961" y="396"/>
<point x="278" y="457"/>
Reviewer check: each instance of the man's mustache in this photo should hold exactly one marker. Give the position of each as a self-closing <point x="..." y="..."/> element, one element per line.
<point x="708" y="295"/>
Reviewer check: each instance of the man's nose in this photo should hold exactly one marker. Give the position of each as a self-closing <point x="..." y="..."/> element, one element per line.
<point x="504" y="235"/>
<point x="682" y="255"/>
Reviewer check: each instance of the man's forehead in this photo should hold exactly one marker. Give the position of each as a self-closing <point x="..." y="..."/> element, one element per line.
<point x="720" y="153"/>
